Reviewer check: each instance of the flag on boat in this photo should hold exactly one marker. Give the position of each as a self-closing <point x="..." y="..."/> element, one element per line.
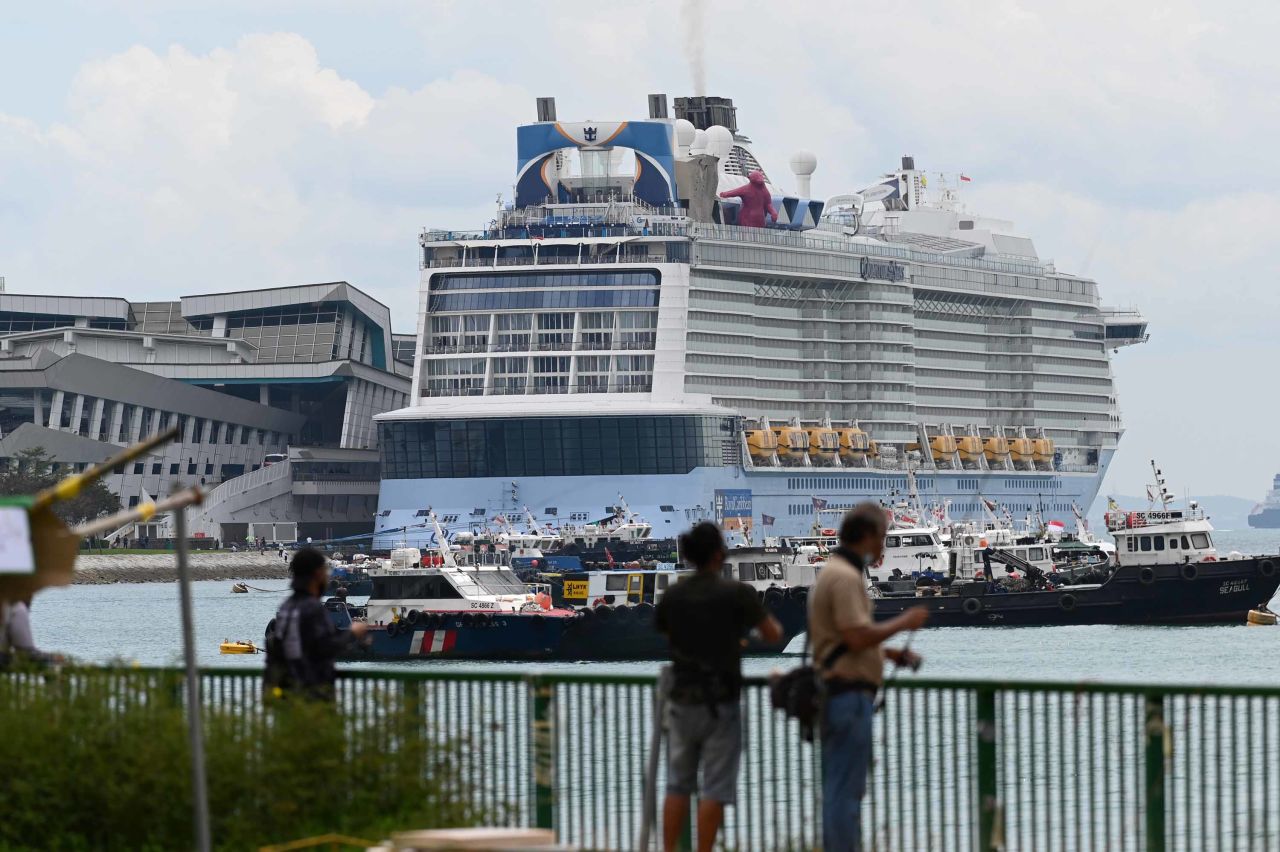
<point x="609" y="556"/>
<point x="767" y="520"/>
<point x="819" y="504"/>
<point x="1056" y="526"/>
<point x="966" y="179"/>
<point x="1112" y="505"/>
<point x="989" y="503"/>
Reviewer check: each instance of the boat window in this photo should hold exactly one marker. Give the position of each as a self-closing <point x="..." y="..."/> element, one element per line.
<point x="1186" y="545"/>
<point x="1159" y="542"/>
<point x="663" y="580"/>
<point x="746" y="570"/>
<point x="891" y="541"/>
<point x="774" y="570"/>
<point x="1200" y="540"/>
<point x="1146" y="543"/>
<point x="1130" y="544"/>
<point x="917" y="540"/>
<point x="1035" y="554"/>
<point x="615" y="582"/>
<point x="1173" y="542"/>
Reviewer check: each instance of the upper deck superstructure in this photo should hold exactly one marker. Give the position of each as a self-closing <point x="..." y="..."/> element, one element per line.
<point x="939" y="335"/>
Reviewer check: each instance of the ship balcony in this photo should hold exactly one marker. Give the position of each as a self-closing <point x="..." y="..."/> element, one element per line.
<point x="1123" y="327"/>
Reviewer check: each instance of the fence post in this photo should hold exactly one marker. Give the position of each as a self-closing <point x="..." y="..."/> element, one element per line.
<point x="544" y="752"/>
<point x="988" y="803"/>
<point x="1154" y="760"/>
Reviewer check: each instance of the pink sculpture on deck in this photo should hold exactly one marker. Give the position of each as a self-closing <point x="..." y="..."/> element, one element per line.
<point x="756" y="201"/>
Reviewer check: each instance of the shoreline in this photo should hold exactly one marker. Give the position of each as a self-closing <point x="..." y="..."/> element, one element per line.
<point x="100" y="569"/>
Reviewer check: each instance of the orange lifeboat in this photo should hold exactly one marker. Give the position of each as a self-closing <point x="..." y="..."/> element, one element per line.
<point x="762" y="443"/>
<point x="1042" y="450"/>
<point x="1021" y="449"/>
<point x="995" y="448"/>
<point x="824" y="445"/>
<point x="792" y="443"/>
<point x="943" y="447"/>
<point x="854" y="444"/>
<point x="970" y="447"/>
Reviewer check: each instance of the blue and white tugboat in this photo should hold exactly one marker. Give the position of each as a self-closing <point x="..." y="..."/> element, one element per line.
<point x="484" y="612"/>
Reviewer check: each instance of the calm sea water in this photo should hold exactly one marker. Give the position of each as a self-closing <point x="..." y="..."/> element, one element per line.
<point x="140" y="623"/>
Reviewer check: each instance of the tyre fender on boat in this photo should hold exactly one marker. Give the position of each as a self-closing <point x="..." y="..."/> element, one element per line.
<point x="1267" y="568"/>
<point x="1067" y="602"/>
<point x="1147" y="576"/>
<point x="413" y="616"/>
<point x="393" y="629"/>
<point x="1190" y="571"/>
<point x="971" y="606"/>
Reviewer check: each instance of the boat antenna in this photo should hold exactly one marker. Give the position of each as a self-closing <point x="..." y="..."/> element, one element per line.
<point x="1165" y="497"/>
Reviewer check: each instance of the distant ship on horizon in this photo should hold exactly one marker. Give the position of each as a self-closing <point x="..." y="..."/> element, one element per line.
<point x="1266" y="515"/>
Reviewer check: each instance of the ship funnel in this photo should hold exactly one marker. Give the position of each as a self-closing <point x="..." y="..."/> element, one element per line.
<point x="658" y="106"/>
<point x="546" y="109"/>
<point x="908" y="163"/>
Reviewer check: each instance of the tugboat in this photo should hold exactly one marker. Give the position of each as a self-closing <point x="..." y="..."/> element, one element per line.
<point x="485" y="612"/>
<point x="1167" y="572"/>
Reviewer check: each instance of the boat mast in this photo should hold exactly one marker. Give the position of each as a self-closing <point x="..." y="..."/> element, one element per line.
<point x="443" y="542"/>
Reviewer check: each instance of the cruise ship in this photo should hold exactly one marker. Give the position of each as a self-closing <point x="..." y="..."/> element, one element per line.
<point x="1266" y="515"/>
<point x="616" y="332"/>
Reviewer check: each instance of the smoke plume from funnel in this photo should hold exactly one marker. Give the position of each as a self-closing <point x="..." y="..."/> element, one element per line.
<point x="692" y="17"/>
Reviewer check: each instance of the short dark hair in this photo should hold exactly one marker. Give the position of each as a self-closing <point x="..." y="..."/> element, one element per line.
<point x="863" y="520"/>
<point x="700" y="545"/>
<point x="306" y="563"/>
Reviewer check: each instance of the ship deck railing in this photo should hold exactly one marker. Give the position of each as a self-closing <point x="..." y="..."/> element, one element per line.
<point x="958" y="764"/>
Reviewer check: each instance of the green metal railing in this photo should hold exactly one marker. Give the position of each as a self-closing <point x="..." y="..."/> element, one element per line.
<point x="958" y="765"/>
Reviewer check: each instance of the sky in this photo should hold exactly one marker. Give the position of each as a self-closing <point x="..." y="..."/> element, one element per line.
<point x="154" y="149"/>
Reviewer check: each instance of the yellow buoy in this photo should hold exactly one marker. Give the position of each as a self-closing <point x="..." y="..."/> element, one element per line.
<point x="1258" y="617"/>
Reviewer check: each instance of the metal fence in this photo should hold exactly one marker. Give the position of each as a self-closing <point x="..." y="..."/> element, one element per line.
<point x="957" y="764"/>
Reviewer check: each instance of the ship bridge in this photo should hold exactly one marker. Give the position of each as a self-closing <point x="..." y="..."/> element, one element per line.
<point x="1124" y="327"/>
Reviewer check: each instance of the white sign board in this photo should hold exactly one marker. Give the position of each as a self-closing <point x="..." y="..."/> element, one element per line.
<point x="16" y="553"/>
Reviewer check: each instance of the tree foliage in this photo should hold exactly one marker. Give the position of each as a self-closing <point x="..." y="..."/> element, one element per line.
<point x="32" y="470"/>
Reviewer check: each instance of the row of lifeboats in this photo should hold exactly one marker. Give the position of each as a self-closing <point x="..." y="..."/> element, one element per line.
<point x="819" y="443"/>
<point x="823" y="445"/>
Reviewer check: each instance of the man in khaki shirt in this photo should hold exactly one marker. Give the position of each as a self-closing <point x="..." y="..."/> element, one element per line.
<point x="846" y="644"/>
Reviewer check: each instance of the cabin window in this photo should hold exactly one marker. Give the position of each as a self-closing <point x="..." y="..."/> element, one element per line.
<point x="772" y="569"/>
<point x="615" y="582"/>
<point x="746" y="570"/>
<point x="1173" y="542"/>
<point x="663" y="580"/>
<point x="1145" y="543"/>
<point x="1200" y="540"/>
<point x="891" y="541"/>
<point x="916" y="540"/>
<point x="1159" y="542"/>
<point x="1130" y="544"/>
<point x="1186" y="545"/>
<point x="1035" y="554"/>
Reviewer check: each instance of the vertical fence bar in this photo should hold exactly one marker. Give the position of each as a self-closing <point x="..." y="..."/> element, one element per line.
<point x="1154" y="759"/>
<point x="543" y="736"/>
<point x="986" y="754"/>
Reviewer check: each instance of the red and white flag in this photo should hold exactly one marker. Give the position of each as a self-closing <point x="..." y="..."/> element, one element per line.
<point x="966" y="179"/>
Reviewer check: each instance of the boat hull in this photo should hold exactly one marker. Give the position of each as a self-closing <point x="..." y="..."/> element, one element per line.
<point x="604" y="634"/>
<point x="1192" y="593"/>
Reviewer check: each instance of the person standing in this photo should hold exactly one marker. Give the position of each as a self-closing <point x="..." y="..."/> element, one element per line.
<point x="706" y="618"/>
<point x="847" y="652"/>
<point x="302" y="642"/>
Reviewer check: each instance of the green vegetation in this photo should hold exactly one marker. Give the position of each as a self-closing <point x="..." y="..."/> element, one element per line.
<point x="102" y="763"/>
<point x="33" y="470"/>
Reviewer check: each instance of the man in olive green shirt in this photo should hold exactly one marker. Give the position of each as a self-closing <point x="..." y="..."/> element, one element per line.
<point x="842" y="623"/>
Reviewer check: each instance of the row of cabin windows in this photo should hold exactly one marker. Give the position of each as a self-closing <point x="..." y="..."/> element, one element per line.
<point x="1147" y="543"/>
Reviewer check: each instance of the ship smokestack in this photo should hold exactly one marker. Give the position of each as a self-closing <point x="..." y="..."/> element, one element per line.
<point x="908" y="163"/>
<point x="658" y="106"/>
<point x="546" y="109"/>
<point x="704" y="111"/>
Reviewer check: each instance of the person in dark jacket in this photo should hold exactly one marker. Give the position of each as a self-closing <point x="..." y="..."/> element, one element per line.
<point x="302" y="643"/>
<point x="706" y="617"/>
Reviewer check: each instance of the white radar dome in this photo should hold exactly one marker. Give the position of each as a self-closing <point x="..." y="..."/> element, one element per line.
<point x="699" y="143"/>
<point x="685" y="131"/>
<point x="804" y="163"/>
<point x="719" y="141"/>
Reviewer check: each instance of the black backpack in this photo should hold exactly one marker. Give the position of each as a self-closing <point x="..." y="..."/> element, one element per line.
<point x="276" y="678"/>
